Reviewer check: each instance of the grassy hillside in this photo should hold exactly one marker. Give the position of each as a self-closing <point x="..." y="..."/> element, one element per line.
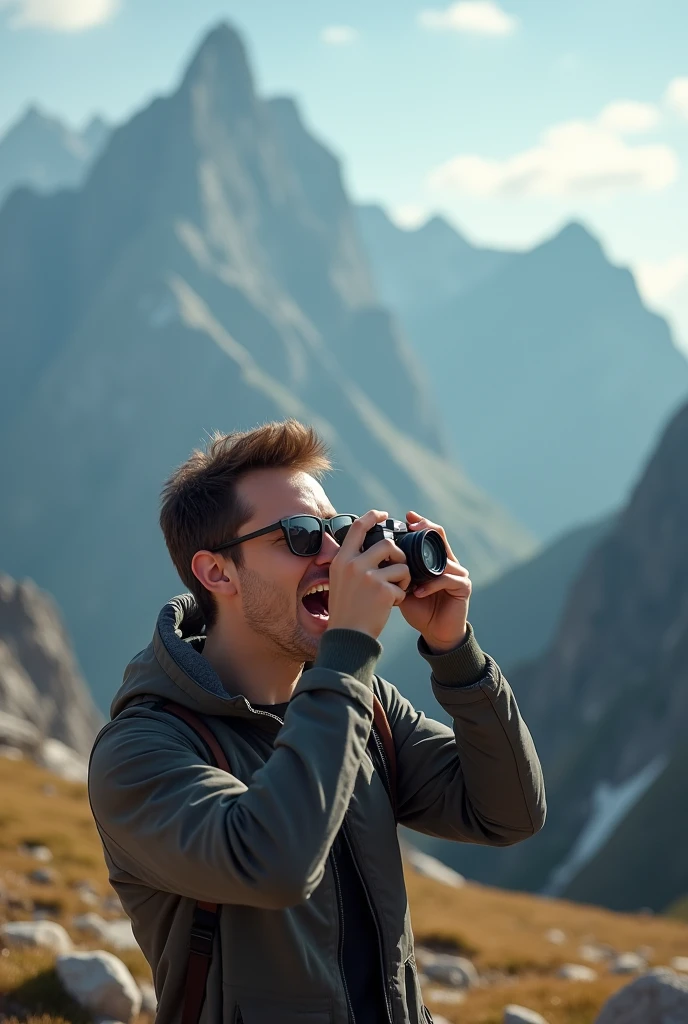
<point x="505" y="934"/>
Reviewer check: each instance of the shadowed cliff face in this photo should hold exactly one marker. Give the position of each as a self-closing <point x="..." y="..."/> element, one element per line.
<point x="608" y="707"/>
<point x="40" y="680"/>
<point x="208" y="275"/>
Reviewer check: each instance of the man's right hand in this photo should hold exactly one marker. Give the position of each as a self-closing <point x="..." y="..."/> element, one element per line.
<point x="362" y="595"/>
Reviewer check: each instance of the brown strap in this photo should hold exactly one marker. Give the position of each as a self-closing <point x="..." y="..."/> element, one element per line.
<point x="205" y="916"/>
<point x="385" y="732"/>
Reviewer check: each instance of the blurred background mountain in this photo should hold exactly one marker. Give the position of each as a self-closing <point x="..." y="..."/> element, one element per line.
<point x="201" y="266"/>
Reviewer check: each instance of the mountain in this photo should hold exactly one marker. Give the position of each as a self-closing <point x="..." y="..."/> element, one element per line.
<point x="40" y="681"/>
<point x="207" y="275"/>
<point x="608" y="708"/>
<point x="42" y="152"/>
<point x="578" y="375"/>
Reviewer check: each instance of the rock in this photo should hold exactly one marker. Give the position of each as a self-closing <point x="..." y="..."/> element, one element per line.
<point x="430" y="867"/>
<point x="117" y="934"/>
<point x="577" y="972"/>
<point x="149" y="1000"/>
<point x="438" y="1019"/>
<point x="456" y="971"/>
<point x="628" y="963"/>
<point x="44" y="911"/>
<point x="556" y="936"/>
<point x="658" y="997"/>
<point x="594" y="953"/>
<point x="100" y="983"/>
<point x="680" y="963"/>
<point x="514" y="1014"/>
<point x="43" y="876"/>
<point x="37" y="851"/>
<point x="62" y="760"/>
<point x="11" y="753"/>
<point x="445" y="995"/>
<point x="46" y="934"/>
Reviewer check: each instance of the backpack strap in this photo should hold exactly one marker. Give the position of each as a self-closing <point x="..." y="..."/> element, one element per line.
<point x="205" y="915"/>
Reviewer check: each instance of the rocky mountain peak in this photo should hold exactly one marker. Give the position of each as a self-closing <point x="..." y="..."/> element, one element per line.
<point x="220" y="70"/>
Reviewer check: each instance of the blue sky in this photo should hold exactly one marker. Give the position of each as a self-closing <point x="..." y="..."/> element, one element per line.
<point x="510" y="117"/>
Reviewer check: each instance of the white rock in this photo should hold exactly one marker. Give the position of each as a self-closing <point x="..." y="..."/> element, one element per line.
<point x="91" y="923"/>
<point x="430" y="867"/>
<point x="11" y="753"/>
<point x="149" y="1001"/>
<point x="438" y="1019"/>
<point x="628" y="963"/>
<point x="556" y="936"/>
<point x="100" y="983"/>
<point x="658" y="997"/>
<point x="577" y="972"/>
<point x="456" y="971"/>
<point x="680" y="963"/>
<point x="117" y="934"/>
<point x="38" y="852"/>
<point x="61" y="760"/>
<point x="450" y="996"/>
<point x="46" y="934"/>
<point x="514" y="1014"/>
<point x="594" y="953"/>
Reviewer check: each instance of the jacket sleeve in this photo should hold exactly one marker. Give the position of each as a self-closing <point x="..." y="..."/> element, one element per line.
<point x="481" y="781"/>
<point x="178" y="824"/>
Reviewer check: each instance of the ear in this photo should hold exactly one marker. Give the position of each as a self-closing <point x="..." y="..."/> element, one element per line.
<point x="216" y="574"/>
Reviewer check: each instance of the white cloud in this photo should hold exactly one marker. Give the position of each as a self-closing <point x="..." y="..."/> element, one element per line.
<point x="339" y="35"/>
<point x="676" y="96"/>
<point x="657" y="281"/>
<point x="60" y="15"/>
<point x="571" y="159"/>
<point x="628" y="117"/>
<point x="478" y="17"/>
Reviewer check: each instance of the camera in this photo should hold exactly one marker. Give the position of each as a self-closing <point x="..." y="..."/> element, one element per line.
<point x="426" y="555"/>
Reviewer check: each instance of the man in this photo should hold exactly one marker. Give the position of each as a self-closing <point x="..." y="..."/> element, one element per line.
<point x="298" y="842"/>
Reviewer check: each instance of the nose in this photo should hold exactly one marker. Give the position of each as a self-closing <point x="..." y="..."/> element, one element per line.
<point x="329" y="549"/>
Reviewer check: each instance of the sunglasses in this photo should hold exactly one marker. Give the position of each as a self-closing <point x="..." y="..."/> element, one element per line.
<point x="303" y="534"/>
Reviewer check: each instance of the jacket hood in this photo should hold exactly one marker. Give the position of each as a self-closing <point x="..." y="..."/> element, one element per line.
<point x="172" y="667"/>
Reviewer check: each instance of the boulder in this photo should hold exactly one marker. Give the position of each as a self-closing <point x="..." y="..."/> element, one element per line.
<point x="658" y="997"/>
<point x="447" y="969"/>
<point x="149" y="1000"/>
<point x="117" y="934"/>
<point x="37" y="851"/>
<point x="43" y="876"/>
<point x="100" y="983"/>
<point x="576" y="972"/>
<point x="44" y="934"/>
<point x="628" y="963"/>
<point x="680" y="963"/>
<point x="556" y="936"/>
<point x="514" y="1014"/>
<point x="595" y="953"/>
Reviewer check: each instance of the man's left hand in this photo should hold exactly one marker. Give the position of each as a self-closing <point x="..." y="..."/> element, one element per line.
<point x="438" y="608"/>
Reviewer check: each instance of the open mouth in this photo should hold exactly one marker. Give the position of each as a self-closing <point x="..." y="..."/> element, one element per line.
<point x="316" y="601"/>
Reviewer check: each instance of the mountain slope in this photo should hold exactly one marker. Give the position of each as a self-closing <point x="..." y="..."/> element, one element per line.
<point x="43" y="153"/>
<point x="580" y="377"/>
<point x="207" y="275"/>
<point x="608" y="707"/>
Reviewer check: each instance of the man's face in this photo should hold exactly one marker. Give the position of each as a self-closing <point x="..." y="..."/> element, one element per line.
<point x="273" y="580"/>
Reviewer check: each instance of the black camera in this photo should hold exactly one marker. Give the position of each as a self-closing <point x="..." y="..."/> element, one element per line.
<point x="426" y="555"/>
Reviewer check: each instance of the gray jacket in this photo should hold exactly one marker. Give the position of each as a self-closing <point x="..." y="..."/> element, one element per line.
<point x="175" y="829"/>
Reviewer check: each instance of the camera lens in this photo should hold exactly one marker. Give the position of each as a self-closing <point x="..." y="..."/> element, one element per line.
<point x="426" y="555"/>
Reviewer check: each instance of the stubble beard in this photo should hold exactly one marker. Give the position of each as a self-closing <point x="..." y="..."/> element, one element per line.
<point x="267" y="611"/>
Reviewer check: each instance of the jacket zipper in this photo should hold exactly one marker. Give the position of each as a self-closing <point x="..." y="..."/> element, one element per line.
<point x="340" y="951"/>
<point x="373" y="911"/>
<point x="383" y="758"/>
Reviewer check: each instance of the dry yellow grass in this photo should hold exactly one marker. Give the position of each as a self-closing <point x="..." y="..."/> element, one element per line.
<point x="502" y="932"/>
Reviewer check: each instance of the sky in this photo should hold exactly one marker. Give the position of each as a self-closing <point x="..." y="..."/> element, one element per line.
<point x="510" y="117"/>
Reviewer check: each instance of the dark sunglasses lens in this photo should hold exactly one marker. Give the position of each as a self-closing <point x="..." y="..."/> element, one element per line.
<point x="340" y="526"/>
<point x="304" y="535"/>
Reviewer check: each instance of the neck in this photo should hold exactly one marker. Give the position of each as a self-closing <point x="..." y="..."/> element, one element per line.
<point x="246" y="667"/>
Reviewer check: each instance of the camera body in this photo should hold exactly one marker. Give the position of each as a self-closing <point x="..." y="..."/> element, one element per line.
<point x="426" y="554"/>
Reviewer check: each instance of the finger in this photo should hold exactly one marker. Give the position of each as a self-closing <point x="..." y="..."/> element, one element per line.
<point x="457" y="586"/>
<point x="353" y="542"/>
<point x="397" y="593"/>
<point x="398" y="574"/>
<point x="384" y="551"/>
